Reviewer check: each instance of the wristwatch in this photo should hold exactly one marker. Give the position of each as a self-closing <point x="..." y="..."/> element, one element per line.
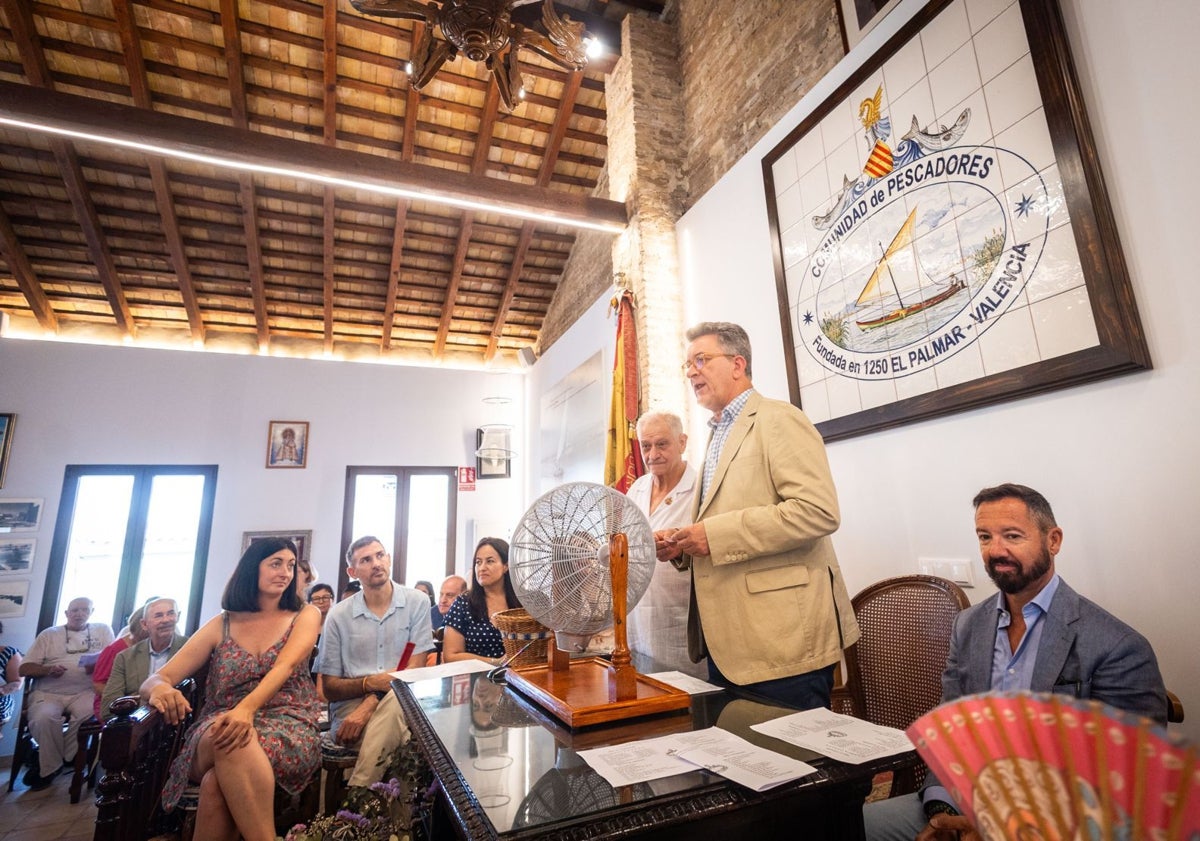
<point x="938" y="807"/>
<point x="379" y="696"/>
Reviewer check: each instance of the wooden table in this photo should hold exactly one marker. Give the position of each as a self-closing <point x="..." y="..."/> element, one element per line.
<point x="509" y="771"/>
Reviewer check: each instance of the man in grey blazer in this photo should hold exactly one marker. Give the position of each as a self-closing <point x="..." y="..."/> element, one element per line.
<point x="1036" y="634"/>
<point x="134" y="665"/>
<point x="769" y="605"/>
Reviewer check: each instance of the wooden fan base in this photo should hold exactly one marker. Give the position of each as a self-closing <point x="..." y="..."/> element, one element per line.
<point x="591" y="690"/>
<point x="580" y="693"/>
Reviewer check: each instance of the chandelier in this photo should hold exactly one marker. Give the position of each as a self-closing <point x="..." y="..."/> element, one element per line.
<point x="483" y="30"/>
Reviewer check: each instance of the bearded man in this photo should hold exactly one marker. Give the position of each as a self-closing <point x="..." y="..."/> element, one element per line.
<point x="1036" y="634"/>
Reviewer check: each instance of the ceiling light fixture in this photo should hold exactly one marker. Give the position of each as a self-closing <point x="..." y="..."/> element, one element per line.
<point x="309" y="175"/>
<point x="483" y="30"/>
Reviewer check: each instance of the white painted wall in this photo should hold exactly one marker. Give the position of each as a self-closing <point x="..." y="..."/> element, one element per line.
<point x="1117" y="459"/>
<point x="79" y="404"/>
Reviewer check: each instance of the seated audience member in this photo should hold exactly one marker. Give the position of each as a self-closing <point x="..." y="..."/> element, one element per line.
<point x="159" y="643"/>
<point x="10" y="684"/>
<point x="259" y="724"/>
<point x="470" y="633"/>
<point x="364" y="642"/>
<point x="1036" y="634"/>
<point x="306" y="574"/>
<point x="658" y="623"/>
<point x="452" y="588"/>
<point x="63" y="688"/>
<point x="129" y="636"/>
<point x="320" y="596"/>
<point x="352" y="586"/>
<point x="425" y="587"/>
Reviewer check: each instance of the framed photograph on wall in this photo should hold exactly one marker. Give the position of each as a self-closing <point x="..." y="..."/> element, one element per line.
<point x="13" y="598"/>
<point x="7" y="423"/>
<point x="16" y="555"/>
<point x="287" y="444"/>
<point x="942" y="236"/>
<point x="20" y="514"/>
<point x="493" y="452"/>
<point x="302" y="539"/>
<point x="860" y="16"/>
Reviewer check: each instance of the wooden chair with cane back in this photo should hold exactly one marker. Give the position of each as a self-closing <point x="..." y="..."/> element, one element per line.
<point x="894" y="671"/>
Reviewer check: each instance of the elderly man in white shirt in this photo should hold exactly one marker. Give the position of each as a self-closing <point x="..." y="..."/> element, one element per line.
<point x="64" y="686"/>
<point x="658" y="624"/>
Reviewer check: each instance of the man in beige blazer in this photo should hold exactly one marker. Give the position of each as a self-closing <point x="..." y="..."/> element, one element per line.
<point x="769" y="605"/>
<point x="134" y="665"/>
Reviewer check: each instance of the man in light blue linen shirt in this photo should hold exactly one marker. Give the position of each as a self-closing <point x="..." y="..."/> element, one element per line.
<point x="1036" y="634"/>
<point x="363" y="641"/>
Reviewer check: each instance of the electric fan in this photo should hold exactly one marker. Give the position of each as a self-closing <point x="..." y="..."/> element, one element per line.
<point x="1023" y="765"/>
<point x="579" y="560"/>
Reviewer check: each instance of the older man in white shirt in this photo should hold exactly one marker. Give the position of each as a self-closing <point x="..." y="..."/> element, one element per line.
<point x="64" y="686"/>
<point x="658" y="624"/>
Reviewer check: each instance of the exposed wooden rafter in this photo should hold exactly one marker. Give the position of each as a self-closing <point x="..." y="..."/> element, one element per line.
<point x="412" y="103"/>
<point x="329" y="124"/>
<point x="478" y="167"/>
<point x="231" y="31"/>
<point x="27" y="281"/>
<point x="570" y="92"/>
<point x="135" y="67"/>
<point x="33" y="60"/>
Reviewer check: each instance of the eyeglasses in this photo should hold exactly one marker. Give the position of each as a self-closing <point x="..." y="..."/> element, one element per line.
<point x="321" y="599"/>
<point x="701" y="359"/>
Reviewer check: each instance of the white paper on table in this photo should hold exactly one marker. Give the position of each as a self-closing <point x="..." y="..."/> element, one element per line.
<point x="458" y="667"/>
<point x="637" y="762"/>
<point x="745" y="763"/>
<point x="687" y="683"/>
<point x="840" y="737"/>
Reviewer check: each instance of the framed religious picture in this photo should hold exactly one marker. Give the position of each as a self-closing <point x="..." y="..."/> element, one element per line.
<point x="302" y="539"/>
<point x="7" y="423"/>
<point x="860" y="16"/>
<point x="942" y="237"/>
<point x="287" y="444"/>
<point x="16" y="555"/>
<point x="20" y="514"/>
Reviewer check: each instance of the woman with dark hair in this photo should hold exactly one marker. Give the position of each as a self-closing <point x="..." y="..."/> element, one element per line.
<point x="259" y="725"/>
<point x="470" y="634"/>
<point x="425" y="587"/>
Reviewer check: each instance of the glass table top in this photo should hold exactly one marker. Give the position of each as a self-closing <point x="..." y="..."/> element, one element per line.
<point x="522" y="764"/>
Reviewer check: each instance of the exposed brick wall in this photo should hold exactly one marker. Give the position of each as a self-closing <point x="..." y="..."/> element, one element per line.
<point x="706" y="84"/>
<point x="745" y="64"/>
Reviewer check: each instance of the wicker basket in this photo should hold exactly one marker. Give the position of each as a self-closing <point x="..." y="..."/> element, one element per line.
<point x="518" y="629"/>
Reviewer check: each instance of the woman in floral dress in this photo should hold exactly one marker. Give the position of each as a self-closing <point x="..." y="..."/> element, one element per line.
<point x="259" y="721"/>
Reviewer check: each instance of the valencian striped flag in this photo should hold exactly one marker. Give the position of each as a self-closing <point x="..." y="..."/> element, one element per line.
<point x="880" y="162"/>
<point x="623" y="458"/>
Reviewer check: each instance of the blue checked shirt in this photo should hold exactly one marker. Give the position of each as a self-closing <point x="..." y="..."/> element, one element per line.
<point x="720" y="425"/>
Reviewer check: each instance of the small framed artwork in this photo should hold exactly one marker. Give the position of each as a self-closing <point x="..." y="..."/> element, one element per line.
<point x="20" y="514"/>
<point x="7" y="422"/>
<point x="302" y="539"/>
<point x="860" y="16"/>
<point x="493" y="452"/>
<point x="287" y="444"/>
<point x="16" y="554"/>
<point x="13" y="596"/>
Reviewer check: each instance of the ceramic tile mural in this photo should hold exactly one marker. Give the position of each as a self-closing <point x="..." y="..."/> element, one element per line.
<point x="925" y="238"/>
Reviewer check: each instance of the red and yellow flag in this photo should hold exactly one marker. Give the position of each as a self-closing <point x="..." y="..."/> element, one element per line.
<point x="623" y="458"/>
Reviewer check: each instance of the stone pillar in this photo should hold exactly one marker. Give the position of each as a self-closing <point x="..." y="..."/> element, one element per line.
<point x="645" y="168"/>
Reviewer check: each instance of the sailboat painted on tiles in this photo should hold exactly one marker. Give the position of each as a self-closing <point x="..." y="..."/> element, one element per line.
<point x="887" y="268"/>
